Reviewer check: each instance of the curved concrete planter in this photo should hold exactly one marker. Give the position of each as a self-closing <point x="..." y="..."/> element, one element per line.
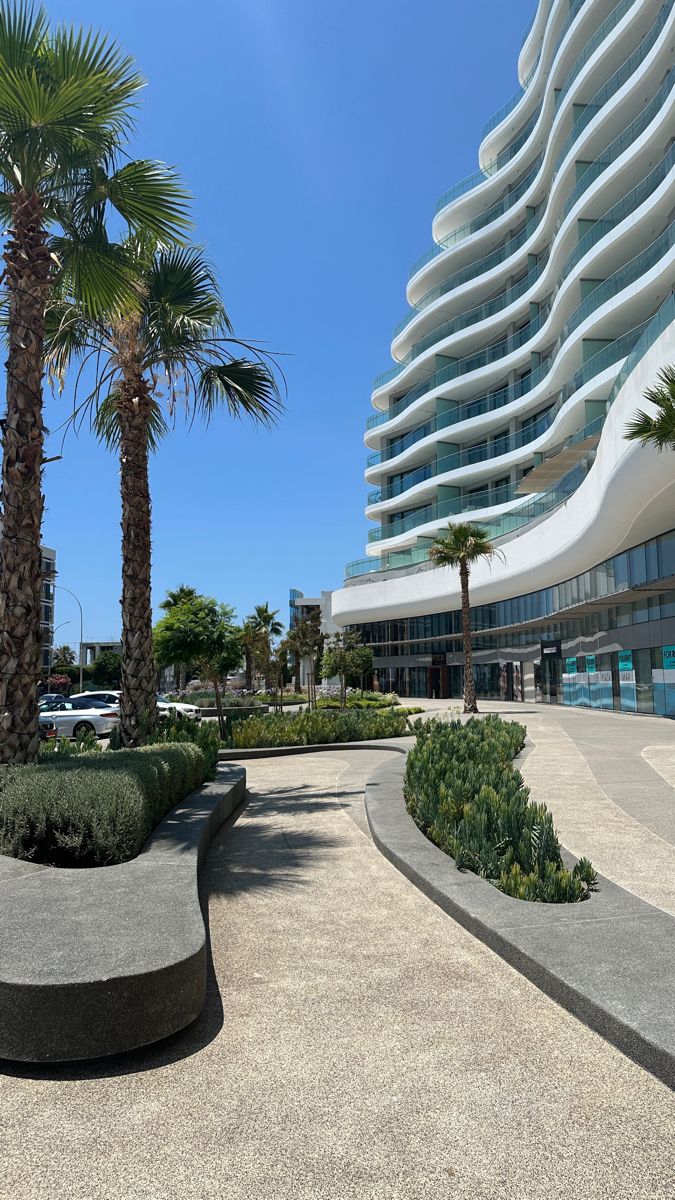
<point x="609" y="960"/>
<point x="101" y="960"/>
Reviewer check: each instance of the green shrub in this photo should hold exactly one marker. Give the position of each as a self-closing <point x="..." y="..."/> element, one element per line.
<point x="318" y="728"/>
<point x="203" y="734"/>
<point x="464" y="793"/>
<point x="90" y="810"/>
<point x="369" y="700"/>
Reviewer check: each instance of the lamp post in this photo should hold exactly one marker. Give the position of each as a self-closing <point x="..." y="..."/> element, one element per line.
<point x="76" y="598"/>
<point x="51" y="648"/>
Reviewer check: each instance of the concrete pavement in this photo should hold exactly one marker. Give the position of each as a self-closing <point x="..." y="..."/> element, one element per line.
<point x="358" y="1044"/>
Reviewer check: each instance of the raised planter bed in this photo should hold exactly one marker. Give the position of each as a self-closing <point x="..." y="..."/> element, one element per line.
<point x="101" y="960"/>
<point x="610" y="960"/>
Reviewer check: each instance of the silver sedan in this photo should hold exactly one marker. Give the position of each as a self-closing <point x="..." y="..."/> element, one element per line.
<point x="73" y="718"/>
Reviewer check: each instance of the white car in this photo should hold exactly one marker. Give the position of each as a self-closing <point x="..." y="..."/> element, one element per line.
<point x="74" y="718"/>
<point x="165" y="708"/>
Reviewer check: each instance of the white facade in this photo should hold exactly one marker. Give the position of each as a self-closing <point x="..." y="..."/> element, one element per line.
<point x="537" y="318"/>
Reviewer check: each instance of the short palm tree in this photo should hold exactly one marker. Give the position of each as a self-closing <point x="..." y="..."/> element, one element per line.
<point x="174" y="598"/>
<point x="656" y="429"/>
<point x="462" y="546"/>
<point x="175" y="350"/>
<point x="66" y="105"/>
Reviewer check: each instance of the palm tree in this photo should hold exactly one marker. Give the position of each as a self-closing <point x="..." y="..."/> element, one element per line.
<point x="656" y="429"/>
<point x="66" y="103"/>
<point x="183" y="594"/>
<point x="250" y="637"/>
<point x="264" y="620"/>
<point x="462" y="546"/>
<point x="174" y="350"/>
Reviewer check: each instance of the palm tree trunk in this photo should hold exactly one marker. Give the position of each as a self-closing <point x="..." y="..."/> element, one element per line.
<point x="27" y="273"/>
<point x="248" y="669"/>
<point x="219" y="710"/>
<point x="470" y="705"/>
<point x="138" y="706"/>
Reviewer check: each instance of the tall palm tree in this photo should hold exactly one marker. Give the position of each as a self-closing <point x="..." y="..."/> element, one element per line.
<point x="66" y="104"/>
<point x="250" y="637"/>
<point x="462" y="546"/>
<point x="175" y="350"/>
<point x="265" y="621"/>
<point x="656" y="429"/>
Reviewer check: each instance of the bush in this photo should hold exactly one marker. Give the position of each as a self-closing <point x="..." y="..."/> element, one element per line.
<point x="369" y="700"/>
<point x="183" y="730"/>
<point x="318" y="728"/>
<point x="207" y="699"/>
<point x="92" y="810"/>
<point x="464" y="793"/>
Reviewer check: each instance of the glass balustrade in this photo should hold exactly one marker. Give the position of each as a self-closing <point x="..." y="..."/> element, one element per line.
<point x="546" y="502"/>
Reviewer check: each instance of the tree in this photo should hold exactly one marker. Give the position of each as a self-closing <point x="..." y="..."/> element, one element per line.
<point x="656" y="428"/>
<point x="201" y="631"/>
<point x="306" y="641"/>
<point x="343" y="656"/>
<point x="361" y="664"/>
<point x="462" y="546"/>
<point x="265" y="628"/>
<point x="107" y="669"/>
<point x="180" y="336"/>
<point x="251" y="640"/>
<point x="174" y="597"/>
<point x="63" y="656"/>
<point x="66" y="104"/>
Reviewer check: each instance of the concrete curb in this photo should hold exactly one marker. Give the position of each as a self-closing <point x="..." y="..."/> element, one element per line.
<point x="105" y="959"/>
<point x="610" y="960"/>
<point x="281" y="751"/>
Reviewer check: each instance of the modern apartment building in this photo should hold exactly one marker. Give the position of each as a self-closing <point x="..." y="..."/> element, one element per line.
<point x="536" y="319"/>
<point x="47" y="606"/>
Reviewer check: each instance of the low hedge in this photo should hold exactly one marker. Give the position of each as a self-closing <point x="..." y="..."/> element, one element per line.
<point x="317" y="728"/>
<point x="94" y="810"/>
<point x="464" y="793"/>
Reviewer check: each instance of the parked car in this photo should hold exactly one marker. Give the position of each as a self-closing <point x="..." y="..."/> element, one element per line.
<point x="166" y="708"/>
<point x="99" y="699"/>
<point x="74" y="718"/>
<point x="51" y="698"/>
<point x="183" y="710"/>
<point x="46" y="728"/>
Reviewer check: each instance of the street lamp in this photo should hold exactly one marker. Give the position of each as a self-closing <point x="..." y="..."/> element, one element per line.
<point x="51" y="647"/>
<point x="65" y="589"/>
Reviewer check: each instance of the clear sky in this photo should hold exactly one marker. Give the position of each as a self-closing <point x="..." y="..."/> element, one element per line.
<point x="316" y="138"/>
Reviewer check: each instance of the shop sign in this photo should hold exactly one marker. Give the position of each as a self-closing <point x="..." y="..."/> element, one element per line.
<point x="590" y="664"/>
<point x="625" y="660"/>
<point x="668" y="658"/>
<point x="570" y="666"/>
<point x="551" y="649"/>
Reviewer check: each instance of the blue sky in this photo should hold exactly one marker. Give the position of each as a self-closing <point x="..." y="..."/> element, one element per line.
<point x="315" y="138"/>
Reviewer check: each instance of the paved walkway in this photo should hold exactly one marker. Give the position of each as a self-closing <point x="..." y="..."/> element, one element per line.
<point x="358" y="1044"/>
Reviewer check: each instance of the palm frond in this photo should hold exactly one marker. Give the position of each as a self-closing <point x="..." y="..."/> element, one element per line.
<point x="106" y="423"/>
<point x="23" y="28"/>
<point x="98" y="271"/>
<point x="149" y="196"/>
<point x="246" y="389"/>
<point x="656" y="429"/>
<point x="465" y="542"/>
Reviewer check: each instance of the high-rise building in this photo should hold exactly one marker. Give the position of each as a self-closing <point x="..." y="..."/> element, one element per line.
<point x="540" y="313"/>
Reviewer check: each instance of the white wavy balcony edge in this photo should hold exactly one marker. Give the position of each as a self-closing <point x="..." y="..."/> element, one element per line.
<point x="545" y="175"/>
<point x="627" y="497"/>
<point x="542" y="285"/>
<point x="530" y="46"/>
<point x="637" y="298"/>
<point x="513" y="168"/>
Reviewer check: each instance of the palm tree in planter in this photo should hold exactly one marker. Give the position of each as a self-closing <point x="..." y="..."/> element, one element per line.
<point x="66" y="104"/>
<point x="658" y="428"/>
<point x="462" y="546"/>
<point x="176" y="350"/>
<point x="174" y="598"/>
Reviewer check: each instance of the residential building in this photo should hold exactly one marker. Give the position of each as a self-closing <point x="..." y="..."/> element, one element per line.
<point x="301" y="606"/>
<point x="90" y="651"/>
<point x="47" y="604"/>
<point x="536" y="319"/>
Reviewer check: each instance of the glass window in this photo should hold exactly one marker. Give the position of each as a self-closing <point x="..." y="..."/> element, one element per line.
<point x="638" y="565"/>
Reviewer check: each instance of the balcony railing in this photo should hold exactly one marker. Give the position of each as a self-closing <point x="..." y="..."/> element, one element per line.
<point x="546" y="502"/>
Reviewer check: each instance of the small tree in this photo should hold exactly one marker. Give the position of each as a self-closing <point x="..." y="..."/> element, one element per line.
<point x="343" y="656"/>
<point x="202" y="631"/>
<point x="361" y="664"/>
<point x="63" y="656"/>
<point x="174" y="597"/>
<point x="107" y="669"/>
<point x="306" y="642"/>
<point x="462" y="546"/>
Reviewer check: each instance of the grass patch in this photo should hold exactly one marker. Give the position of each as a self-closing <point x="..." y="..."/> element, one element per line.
<point x="462" y="790"/>
<point x="317" y="728"/>
<point x="91" y="809"/>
